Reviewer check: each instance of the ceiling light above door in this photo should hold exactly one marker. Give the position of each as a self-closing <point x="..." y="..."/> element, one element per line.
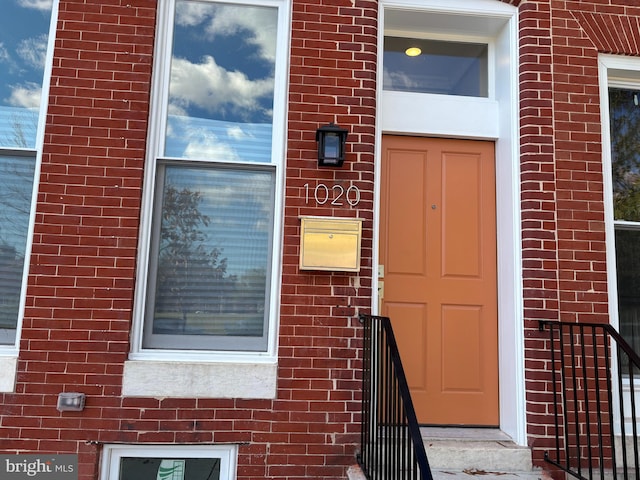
<point x="413" y="51"/>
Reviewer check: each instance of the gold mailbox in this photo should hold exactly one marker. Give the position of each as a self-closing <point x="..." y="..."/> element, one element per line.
<point x="330" y="243"/>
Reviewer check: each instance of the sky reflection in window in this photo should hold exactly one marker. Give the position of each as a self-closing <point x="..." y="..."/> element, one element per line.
<point x="222" y="82"/>
<point x="24" y="30"/>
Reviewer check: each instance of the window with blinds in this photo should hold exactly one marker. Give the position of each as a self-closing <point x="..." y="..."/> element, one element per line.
<point x="215" y="160"/>
<point x="24" y="43"/>
<point x="624" y="118"/>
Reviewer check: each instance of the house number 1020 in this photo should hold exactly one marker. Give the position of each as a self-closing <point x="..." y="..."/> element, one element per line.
<point x="337" y="195"/>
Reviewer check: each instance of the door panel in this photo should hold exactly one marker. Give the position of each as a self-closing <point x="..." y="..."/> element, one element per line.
<point x="409" y="187"/>
<point x="461" y="215"/>
<point x="461" y="350"/>
<point x="412" y="337"/>
<point x="438" y="248"/>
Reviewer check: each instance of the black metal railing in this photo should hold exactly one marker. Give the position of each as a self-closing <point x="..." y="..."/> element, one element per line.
<point x="392" y="447"/>
<point x="594" y="379"/>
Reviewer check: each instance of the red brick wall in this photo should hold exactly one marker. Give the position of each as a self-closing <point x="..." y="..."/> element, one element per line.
<point x="539" y="221"/>
<point x="79" y="308"/>
<point x="75" y="334"/>
<point x="562" y="186"/>
<point x="79" y="305"/>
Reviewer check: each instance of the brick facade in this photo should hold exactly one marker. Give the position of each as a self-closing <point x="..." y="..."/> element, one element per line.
<point x="79" y="304"/>
<point x="564" y="254"/>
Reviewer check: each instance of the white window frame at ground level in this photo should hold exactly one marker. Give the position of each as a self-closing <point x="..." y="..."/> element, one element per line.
<point x="112" y="456"/>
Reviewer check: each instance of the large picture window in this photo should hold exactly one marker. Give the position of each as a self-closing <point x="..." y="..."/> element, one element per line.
<point x="24" y="42"/>
<point x="624" y="119"/>
<point x="215" y="149"/>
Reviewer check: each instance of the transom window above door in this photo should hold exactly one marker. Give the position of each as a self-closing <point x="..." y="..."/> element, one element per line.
<point x="435" y="66"/>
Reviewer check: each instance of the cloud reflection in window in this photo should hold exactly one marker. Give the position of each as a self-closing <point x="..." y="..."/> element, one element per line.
<point x="222" y="82"/>
<point x="24" y="29"/>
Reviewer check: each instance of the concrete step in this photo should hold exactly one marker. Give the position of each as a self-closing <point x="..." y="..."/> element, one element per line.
<point x="534" y="474"/>
<point x="355" y="473"/>
<point x="478" y="451"/>
<point x="473" y="454"/>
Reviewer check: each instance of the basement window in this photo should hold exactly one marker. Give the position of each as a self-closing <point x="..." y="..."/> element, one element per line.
<point x="169" y="462"/>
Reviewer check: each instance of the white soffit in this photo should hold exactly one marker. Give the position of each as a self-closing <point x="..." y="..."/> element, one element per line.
<point x="410" y="20"/>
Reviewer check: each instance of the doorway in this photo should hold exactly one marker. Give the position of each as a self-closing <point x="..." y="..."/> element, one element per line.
<point x="438" y="276"/>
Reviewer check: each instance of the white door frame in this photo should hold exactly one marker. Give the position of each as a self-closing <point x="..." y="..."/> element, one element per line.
<point x="494" y="118"/>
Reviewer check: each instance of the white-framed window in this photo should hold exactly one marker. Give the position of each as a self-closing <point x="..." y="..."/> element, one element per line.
<point x="620" y="99"/>
<point x="169" y="462"/>
<point x="619" y="78"/>
<point x="442" y="67"/>
<point x="208" y="266"/>
<point x="26" y="46"/>
<point x="624" y="126"/>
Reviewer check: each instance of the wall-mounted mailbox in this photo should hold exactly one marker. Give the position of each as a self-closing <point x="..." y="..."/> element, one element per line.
<point x="330" y="243"/>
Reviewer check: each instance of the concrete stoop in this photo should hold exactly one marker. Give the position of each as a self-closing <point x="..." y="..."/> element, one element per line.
<point x="477" y="454"/>
<point x="473" y="454"/>
<point x="534" y="474"/>
<point x="355" y="473"/>
<point x="474" y="449"/>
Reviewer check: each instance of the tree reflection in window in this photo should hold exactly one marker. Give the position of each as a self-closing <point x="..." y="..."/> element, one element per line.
<point x="625" y="153"/>
<point x="624" y="105"/>
<point x="24" y="31"/>
<point x="211" y="254"/>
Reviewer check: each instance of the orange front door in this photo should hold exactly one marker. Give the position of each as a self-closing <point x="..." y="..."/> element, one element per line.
<point x="438" y="273"/>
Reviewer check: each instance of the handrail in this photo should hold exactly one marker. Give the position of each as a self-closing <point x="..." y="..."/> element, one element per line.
<point x="587" y="397"/>
<point x="392" y="446"/>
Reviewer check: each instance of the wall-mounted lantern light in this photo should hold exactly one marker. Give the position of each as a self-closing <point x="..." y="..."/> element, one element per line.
<point x="331" y="145"/>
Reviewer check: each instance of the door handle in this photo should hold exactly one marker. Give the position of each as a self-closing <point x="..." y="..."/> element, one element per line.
<point x="380" y="288"/>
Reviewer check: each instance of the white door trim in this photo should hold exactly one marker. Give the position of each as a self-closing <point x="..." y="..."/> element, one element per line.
<point x="498" y="23"/>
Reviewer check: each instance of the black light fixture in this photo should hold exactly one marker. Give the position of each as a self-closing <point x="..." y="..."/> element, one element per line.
<point x="331" y="145"/>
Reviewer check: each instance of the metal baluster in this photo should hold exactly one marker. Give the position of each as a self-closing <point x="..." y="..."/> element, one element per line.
<point x="554" y="384"/>
<point x="596" y="366"/>
<point x="634" y="420"/>
<point x="622" y="414"/>
<point x="612" y="439"/>
<point x="585" y="376"/>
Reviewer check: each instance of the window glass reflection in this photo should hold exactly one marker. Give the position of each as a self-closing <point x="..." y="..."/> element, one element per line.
<point x="628" y="275"/>
<point x="212" y="257"/>
<point x="24" y="29"/>
<point x="624" y="115"/>
<point x="625" y="153"/>
<point x="222" y="82"/>
<point x="142" y="468"/>
<point x="431" y="66"/>
<point x="16" y="182"/>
